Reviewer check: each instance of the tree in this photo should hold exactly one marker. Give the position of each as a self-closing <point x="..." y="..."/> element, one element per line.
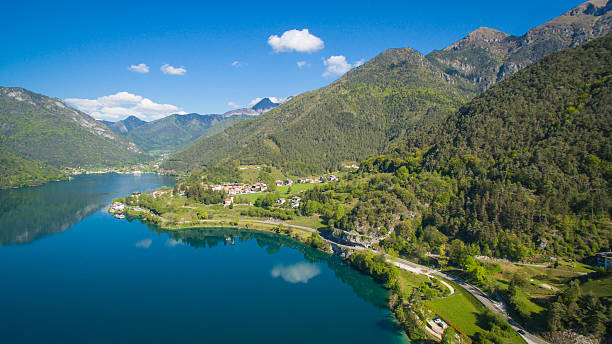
<point x="449" y="336"/>
<point x="457" y="252"/>
<point x="519" y="279"/>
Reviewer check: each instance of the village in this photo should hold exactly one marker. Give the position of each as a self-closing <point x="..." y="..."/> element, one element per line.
<point x="237" y="189"/>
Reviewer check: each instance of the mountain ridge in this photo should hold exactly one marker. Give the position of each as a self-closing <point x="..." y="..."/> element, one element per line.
<point x="372" y="106"/>
<point x="124" y="126"/>
<point x="486" y="56"/>
<point x="41" y="134"/>
<point x="357" y="102"/>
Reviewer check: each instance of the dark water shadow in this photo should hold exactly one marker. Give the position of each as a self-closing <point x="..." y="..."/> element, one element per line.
<point x="30" y="213"/>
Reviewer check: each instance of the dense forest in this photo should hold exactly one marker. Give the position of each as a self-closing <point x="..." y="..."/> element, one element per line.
<point x="522" y="170"/>
<point x="16" y="171"/>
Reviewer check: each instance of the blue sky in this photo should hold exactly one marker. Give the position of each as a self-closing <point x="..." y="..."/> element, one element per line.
<point x="83" y="50"/>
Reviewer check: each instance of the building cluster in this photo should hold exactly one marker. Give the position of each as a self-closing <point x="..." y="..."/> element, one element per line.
<point x="295" y="201"/>
<point x="287" y="182"/>
<point x="237" y="188"/>
<point x="158" y="193"/>
<point x="117" y="207"/>
<point x="321" y="179"/>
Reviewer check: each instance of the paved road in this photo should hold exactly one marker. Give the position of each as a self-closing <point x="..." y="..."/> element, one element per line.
<point x="420" y="271"/>
<point x="493" y="305"/>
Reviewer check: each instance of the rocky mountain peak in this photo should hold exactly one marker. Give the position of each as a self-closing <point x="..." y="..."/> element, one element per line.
<point x="264" y="104"/>
<point x="483" y="37"/>
<point x="487" y="33"/>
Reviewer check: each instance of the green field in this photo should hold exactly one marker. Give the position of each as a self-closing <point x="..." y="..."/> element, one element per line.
<point x="463" y="311"/>
<point x="295" y="189"/>
<point x="599" y="287"/>
<point x="460" y="309"/>
<point x="313" y="221"/>
<point x="283" y="191"/>
<point x="411" y="280"/>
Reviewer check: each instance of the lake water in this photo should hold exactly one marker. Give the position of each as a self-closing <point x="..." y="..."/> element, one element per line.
<point x="71" y="273"/>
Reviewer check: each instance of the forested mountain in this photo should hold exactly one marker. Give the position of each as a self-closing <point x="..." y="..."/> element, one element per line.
<point x="523" y="168"/>
<point x="125" y="125"/>
<point x="39" y="135"/>
<point x="19" y="171"/>
<point x="174" y="132"/>
<point x="356" y="116"/>
<point x="487" y="56"/>
<point x="398" y="94"/>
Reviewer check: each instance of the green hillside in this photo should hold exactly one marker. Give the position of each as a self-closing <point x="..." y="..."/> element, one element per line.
<point x="41" y="135"/>
<point x="394" y="97"/>
<point x="174" y="132"/>
<point x="126" y="125"/>
<point x="523" y="169"/>
<point x="358" y="115"/>
<point x="17" y="171"/>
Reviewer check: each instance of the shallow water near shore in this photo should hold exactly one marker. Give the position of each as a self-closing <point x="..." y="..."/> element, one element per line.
<point x="71" y="273"/>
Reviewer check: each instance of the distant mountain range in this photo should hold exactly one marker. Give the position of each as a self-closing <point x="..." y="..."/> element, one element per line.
<point x="171" y="133"/>
<point x="41" y="135"/>
<point x="397" y="94"/>
<point x="165" y="135"/>
<point x="175" y="132"/>
<point x="124" y="126"/>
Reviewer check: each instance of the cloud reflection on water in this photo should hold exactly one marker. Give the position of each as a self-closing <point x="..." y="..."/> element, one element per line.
<point x="296" y="273"/>
<point x="144" y="243"/>
<point x="173" y="242"/>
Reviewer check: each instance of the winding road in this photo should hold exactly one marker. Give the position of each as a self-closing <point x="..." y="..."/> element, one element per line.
<point x="491" y="304"/>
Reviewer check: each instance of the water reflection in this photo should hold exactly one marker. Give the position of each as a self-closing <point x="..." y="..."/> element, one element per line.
<point x="296" y="273"/>
<point x="27" y="214"/>
<point x="173" y="242"/>
<point x="365" y="288"/>
<point x="144" y="243"/>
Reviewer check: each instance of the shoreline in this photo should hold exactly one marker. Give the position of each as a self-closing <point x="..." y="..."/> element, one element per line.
<point x="303" y="235"/>
<point x="299" y="234"/>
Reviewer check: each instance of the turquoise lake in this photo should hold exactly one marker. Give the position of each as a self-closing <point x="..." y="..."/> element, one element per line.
<point x="71" y="273"/>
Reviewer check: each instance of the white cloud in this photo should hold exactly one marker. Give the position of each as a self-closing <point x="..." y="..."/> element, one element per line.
<point x="297" y="273"/>
<point x="238" y="64"/>
<point x="233" y="105"/>
<point x="139" y="68"/>
<point x="87" y="105"/>
<point x="168" y="69"/>
<point x="144" y="243"/>
<point x="173" y="242"/>
<point x="120" y="98"/>
<point x="117" y="106"/>
<point x="337" y="65"/>
<point x="302" y="64"/>
<point x="296" y="40"/>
